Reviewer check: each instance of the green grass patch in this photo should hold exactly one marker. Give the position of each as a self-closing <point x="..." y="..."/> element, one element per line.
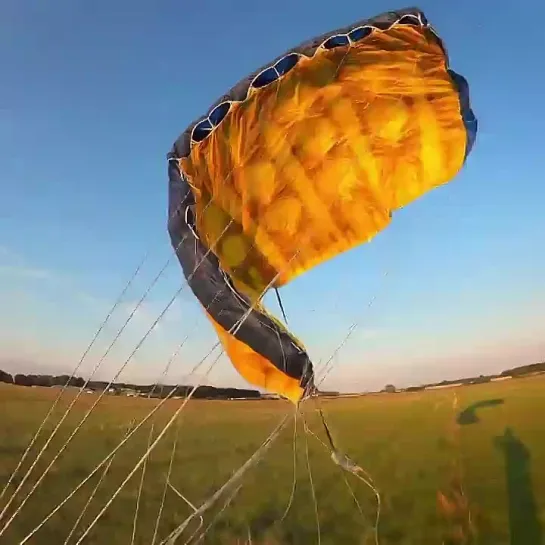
<point x="462" y="465"/>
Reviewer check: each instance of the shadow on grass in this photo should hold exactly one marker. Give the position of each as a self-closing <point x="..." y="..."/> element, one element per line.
<point x="525" y="526"/>
<point x="469" y="415"/>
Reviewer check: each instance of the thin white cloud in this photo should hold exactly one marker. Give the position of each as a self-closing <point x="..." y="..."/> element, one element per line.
<point x="22" y="345"/>
<point x="13" y="264"/>
<point x="26" y="272"/>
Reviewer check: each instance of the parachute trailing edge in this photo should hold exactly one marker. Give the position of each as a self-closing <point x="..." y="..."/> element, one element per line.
<point x="303" y="160"/>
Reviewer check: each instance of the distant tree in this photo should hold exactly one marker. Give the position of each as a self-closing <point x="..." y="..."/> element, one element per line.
<point x="97" y="385"/>
<point x="5" y="377"/>
<point x="61" y="380"/>
<point x="481" y="380"/>
<point x="161" y="391"/>
<point x="182" y="391"/>
<point x="43" y="380"/>
<point x="22" y="380"/>
<point x="390" y="389"/>
<point x="525" y="370"/>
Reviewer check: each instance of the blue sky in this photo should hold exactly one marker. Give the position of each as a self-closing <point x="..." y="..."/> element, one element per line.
<point x="94" y="93"/>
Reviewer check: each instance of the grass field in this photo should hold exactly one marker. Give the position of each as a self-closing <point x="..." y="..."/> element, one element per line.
<point x="457" y="465"/>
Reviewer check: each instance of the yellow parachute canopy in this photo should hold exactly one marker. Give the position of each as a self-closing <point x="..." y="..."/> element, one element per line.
<point x="309" y="160"/>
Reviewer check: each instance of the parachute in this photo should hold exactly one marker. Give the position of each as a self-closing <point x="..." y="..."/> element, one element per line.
<point x="303" y="160"/>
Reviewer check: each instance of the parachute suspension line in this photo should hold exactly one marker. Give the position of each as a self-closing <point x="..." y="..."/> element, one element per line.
<point x="313" y="490"/>
<point x="280" y="304"/>
<point x="233" y="480"/>
<point x="348" y="465"/>
<point x="75" y="370"/>
<point x="326" y="428"/>
<point x="328" y="366"/>
<point x="105" y="471"/>
<point x="89" y="411"/>
<point x="219" y="492"/>
<point x="39" y="455"/>
<point x="337" y="456"/>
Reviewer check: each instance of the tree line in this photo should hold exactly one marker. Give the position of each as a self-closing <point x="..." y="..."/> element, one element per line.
<point x="521" y="371"/>
<point x="211" y="392"/>
<point x="161" y="391"/>
<point x="525" y="370"/>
